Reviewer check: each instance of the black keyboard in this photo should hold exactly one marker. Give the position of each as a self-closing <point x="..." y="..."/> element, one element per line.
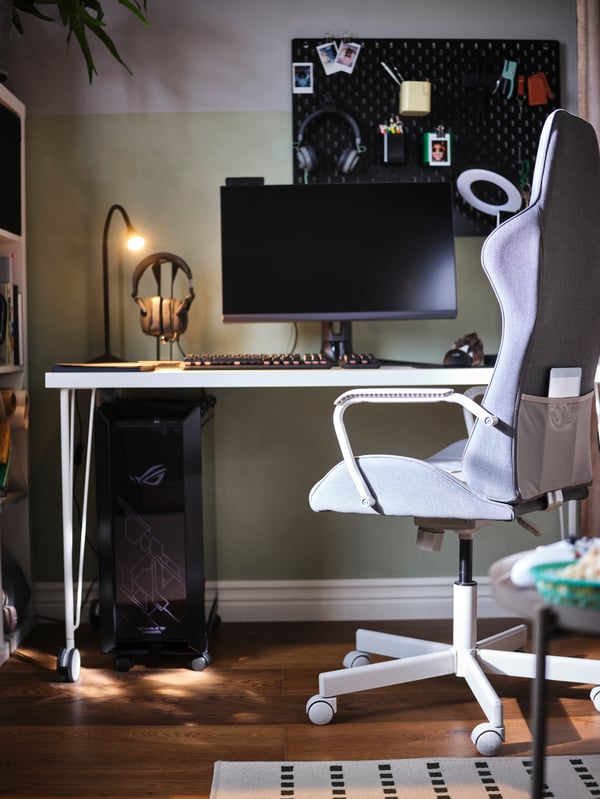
<point x="311" y="360"/>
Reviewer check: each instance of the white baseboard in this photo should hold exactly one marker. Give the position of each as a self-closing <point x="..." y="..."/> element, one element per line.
<point x="315" y="600"/>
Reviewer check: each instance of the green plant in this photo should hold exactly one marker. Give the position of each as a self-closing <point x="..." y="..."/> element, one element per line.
<point x="80" y="17"/>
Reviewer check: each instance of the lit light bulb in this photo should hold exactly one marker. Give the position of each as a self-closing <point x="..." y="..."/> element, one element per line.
<point x="135" y="241"/>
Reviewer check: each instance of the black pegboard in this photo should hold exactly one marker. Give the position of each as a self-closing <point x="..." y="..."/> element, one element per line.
<point x="488" y="130"/>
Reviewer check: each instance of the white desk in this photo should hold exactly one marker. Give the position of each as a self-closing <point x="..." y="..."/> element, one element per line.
<point x="267" y="378"/>
<point x="94" y="379"/>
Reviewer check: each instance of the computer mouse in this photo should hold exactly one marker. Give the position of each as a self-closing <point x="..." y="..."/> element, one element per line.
<point x="457" y="357"/>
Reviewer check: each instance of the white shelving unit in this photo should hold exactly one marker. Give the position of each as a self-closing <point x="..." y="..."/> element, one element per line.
<point x="14" y="507"/>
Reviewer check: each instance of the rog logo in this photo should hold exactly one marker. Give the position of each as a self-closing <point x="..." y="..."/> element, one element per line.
<point x="152" y="476"/>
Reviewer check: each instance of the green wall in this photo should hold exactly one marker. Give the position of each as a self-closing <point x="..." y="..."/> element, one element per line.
<point x="210" y="97"/>
<point x="271" y="445"/>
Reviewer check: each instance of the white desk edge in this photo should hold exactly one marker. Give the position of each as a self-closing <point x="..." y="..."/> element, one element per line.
<point x="162" y="378"/>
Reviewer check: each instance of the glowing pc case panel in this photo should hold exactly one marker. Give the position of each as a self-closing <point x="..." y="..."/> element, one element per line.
<point x="155" y="541"/>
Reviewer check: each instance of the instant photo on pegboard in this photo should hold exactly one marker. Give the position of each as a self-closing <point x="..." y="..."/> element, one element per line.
<point x="480" y="105"/>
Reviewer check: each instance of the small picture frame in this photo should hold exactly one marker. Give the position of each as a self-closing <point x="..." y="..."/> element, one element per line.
<point x="347" y="56"/>
<point x="438" y="149"/>
<point x="327" y="53"/>
<point x="302" y="77"/>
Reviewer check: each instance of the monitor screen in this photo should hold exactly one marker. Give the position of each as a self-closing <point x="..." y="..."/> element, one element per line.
<point x="337" y="253"/>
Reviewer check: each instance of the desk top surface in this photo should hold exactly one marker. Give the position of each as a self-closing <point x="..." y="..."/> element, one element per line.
<point x="175" y="377"/>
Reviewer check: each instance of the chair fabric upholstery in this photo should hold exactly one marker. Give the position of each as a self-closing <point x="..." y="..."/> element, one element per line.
<point x="544" y="266"/>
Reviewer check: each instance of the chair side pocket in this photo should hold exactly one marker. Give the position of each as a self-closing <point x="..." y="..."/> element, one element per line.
<point x="553" y="443"/>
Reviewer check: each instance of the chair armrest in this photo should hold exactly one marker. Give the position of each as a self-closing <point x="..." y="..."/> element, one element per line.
<point x="472" y="392"/>
<point x="396" y="396"/>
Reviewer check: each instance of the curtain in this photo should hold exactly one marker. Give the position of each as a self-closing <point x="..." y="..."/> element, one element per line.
<point x="590" y="507"/>
<point x="588" y="84"/>
<point x="588" y="61"/>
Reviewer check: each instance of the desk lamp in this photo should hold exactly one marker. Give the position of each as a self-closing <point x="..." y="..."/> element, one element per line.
<point x="134" y="242"/>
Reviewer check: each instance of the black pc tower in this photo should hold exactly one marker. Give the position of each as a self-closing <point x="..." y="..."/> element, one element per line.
<point x="155" y="535"/>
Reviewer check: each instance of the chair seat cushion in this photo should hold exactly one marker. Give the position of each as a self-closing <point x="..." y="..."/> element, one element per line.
<point x="406" y="487"/>
<point x="450" y="458"/>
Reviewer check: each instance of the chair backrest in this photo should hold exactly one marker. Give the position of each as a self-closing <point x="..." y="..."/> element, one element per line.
<point x="544" y="266"/>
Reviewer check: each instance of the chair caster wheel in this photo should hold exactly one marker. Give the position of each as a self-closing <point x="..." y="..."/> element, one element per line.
<point x="201" y="662"/>
<point x="487" y="739"/>
<point x="68" y="664"/>
<point x="321" y="709"/>
<point x="595" y="697"/>
<point x="355" y="659"/>
<point x="123" y="663"/>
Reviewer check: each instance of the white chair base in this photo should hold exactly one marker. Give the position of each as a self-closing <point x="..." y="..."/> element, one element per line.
<point x="412" y="659"/>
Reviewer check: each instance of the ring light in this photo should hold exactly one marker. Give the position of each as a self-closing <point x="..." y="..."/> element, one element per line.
<point x="465" y="182"/>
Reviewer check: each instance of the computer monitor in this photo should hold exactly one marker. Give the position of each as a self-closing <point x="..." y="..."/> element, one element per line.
<point x="337" y="253"/>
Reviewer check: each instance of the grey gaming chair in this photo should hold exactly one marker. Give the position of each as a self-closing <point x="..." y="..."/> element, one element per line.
<point x="526" y="452"/>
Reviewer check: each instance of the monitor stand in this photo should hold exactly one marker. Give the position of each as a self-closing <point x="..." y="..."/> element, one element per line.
<point x="336" y="340"/>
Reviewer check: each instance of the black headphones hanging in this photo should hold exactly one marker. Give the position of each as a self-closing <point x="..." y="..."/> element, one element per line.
<point x="163" y="317"/>
<point x="348" y="158"/>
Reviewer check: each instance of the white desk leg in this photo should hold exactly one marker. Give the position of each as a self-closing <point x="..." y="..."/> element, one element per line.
<point x="66" y="656"/>
<point x="69" y="660"/>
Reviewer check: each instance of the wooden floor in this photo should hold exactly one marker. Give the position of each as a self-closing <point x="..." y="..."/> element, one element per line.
<point x="156" y="731"/>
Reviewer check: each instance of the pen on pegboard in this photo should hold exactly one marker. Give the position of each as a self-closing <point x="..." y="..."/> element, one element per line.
<point x="392" y="64"/>
<point x="393" y="126"/>
<point x="394" y="75"/>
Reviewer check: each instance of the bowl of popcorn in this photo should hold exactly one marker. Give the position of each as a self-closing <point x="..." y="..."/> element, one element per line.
<point x="575" y="583"/>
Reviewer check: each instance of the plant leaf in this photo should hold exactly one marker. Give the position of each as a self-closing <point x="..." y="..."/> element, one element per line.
<point x="81" y="17"/>
<point x="135" y="8"/>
